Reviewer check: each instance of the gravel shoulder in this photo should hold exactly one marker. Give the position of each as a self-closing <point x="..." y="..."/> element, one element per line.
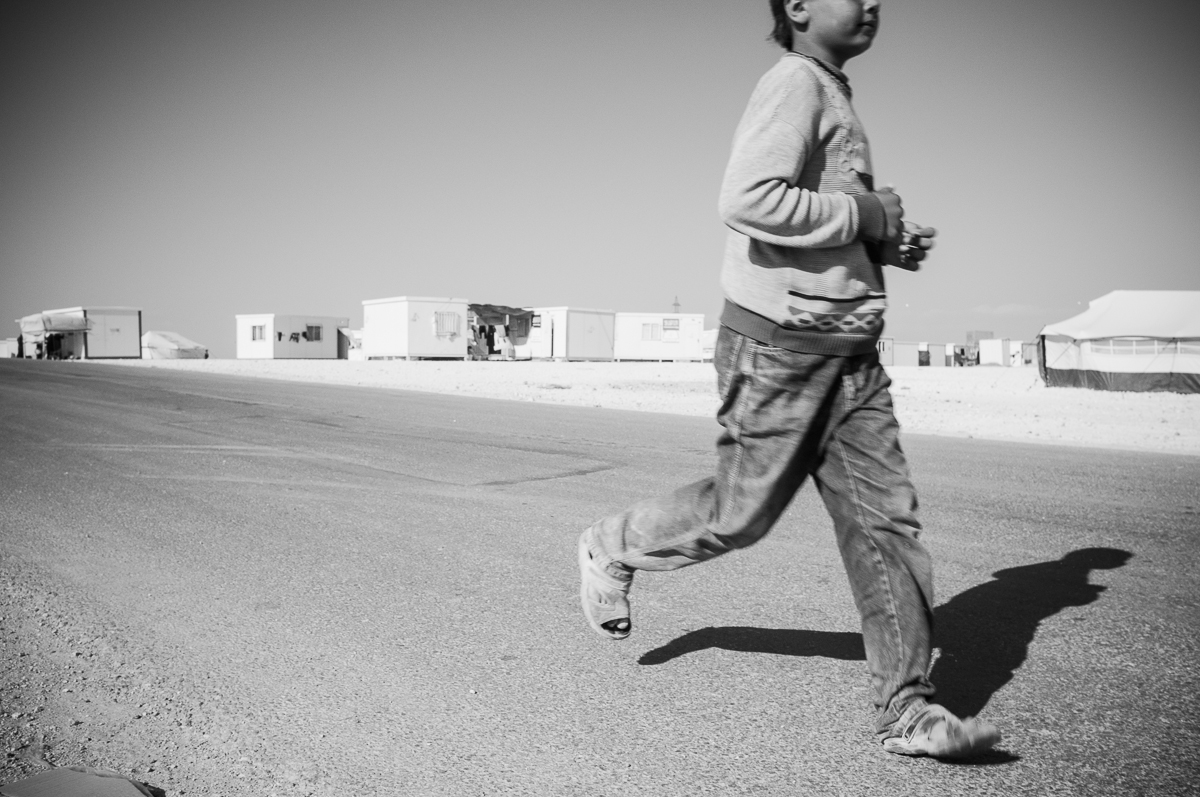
<point x="77" y="687"/>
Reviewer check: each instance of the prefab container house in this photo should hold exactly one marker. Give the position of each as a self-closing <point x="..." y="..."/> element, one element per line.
<point x="92" y="333"/>
<point x="350" y="344"/>
<point x="906" y="353"/>
<point x="658" y="336"/>
<point x="414" y="327"/>
<point x="937" y="354"/>
<point x="886" y="348"/>
<point x="1029" y="352"/>
<point x="995" y="351"/>
<point x="273" y="336"/>
<point x="571" y="333"/>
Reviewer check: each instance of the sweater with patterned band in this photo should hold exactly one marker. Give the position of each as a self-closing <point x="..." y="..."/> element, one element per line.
<point x="800" y="270"/>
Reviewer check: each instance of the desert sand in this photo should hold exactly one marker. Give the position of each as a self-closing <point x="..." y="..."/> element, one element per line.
<point x="985" y="402"/>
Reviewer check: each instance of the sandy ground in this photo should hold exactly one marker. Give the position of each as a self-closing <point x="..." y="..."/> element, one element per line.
<point x="989" y="403"/>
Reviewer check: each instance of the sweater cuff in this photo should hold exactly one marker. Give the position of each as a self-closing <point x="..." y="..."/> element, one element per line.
<point x="870" y="217"/>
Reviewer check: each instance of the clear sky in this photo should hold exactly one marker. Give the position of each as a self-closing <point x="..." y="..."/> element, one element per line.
<point x="203" y="159"/>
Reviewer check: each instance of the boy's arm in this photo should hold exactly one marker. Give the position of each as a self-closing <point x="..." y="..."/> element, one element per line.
<point x="759" y="195"/>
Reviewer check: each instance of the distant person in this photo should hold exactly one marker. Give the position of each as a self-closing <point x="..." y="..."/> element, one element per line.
<point x="802" y="391"/>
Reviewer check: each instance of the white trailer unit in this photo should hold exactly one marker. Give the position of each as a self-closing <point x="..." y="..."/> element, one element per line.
<point x="272" y="336"/>
<point x="886" y="348"/>
<point x="571" y="333"/>
<point x="994" y="351"/>
<point x="659" y="336"/>
<point x="1015" y="350"/>
<point x="112" y="333"/>
<point x="905" y="353"/>
<point x="414" y="327"/>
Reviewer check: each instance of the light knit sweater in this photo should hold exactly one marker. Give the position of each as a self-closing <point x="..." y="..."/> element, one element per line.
<point x="802" y="219"/>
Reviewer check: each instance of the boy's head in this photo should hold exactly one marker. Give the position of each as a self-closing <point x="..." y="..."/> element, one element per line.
<point x="835" y="30"/>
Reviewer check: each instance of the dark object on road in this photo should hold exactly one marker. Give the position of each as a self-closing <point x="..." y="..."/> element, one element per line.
<point x="79" y="782"/>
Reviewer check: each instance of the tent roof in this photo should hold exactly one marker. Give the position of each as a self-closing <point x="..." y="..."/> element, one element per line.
<point x="52" y="322"/>
<point x="169" y="340"/>
<point x="93" y="308"/>
<point x="1134" y="314"/>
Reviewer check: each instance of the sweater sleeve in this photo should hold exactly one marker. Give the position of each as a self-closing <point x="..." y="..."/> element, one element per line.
<point x="760" y="196"/>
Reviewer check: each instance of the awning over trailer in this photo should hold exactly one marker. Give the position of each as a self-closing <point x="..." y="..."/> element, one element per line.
<point x="35" y="327"/>
<point x="497" y="314"/>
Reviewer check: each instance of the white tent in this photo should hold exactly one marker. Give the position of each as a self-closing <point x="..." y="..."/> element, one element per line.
<point x="171" y="346"/>
<point x="1126" y="340"/>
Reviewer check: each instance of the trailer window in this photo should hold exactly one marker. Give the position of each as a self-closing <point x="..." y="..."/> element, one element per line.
<point x="445" y="323"/>
<point x="258" y="332"/>
<point x="671" y="330"/>
<point x="312" y="332"/>
<point x="651" y="332"/>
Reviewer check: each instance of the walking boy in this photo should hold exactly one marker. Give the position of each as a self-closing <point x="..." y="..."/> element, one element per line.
<point x="802" y="391"/>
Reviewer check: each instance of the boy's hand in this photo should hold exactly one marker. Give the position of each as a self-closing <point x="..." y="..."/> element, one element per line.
<point x="904" y="243"/>
<point x="893" y="214"/>
<point x="915" y="242"/>
<point x="909" y="251"/>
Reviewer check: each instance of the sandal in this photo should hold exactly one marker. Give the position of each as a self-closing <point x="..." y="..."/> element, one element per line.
<point x="603" y="596"/>
<point x="929" y="729"/>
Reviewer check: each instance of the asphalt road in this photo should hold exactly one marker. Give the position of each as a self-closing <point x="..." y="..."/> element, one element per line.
<point x="282" y="588"/>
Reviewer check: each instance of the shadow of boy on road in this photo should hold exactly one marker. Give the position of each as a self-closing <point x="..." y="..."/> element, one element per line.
<point x="984" y="633"/>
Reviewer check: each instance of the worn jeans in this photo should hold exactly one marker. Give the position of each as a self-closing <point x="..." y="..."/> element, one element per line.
<point x="787" y="416"/>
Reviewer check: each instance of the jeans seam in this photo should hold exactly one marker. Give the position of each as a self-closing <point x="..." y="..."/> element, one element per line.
<point x="735" y="424"/>
<point x="878" y="558"/>
<point x="739" y="412"/>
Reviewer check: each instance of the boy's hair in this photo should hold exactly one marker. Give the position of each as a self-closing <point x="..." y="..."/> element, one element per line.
<point x="782" y="32"/>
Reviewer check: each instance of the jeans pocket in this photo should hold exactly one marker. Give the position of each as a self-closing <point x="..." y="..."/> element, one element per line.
<point x="776" y="365"/>
<point x="727" y="359"/>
